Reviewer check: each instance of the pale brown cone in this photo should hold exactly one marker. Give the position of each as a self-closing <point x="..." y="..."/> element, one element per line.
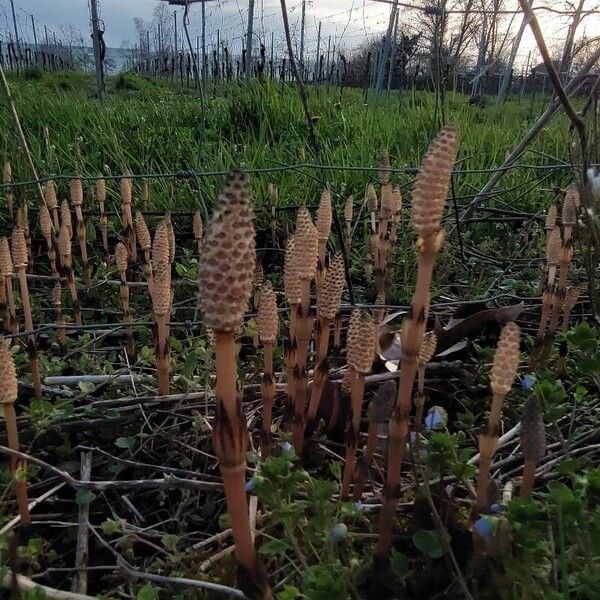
<point x="533" y="431"/>
<point x="230" y="251"/>
<point x="126" y="188"/>
<point x="506" y="360"/>
<point x="45" y="222"/>
<point x="551" y="218"/>
<point x="431" y="185"/>
<point x="161" y="265"/>
<point x="553" y="247"/>
<point x="76" y="190"/>
<point x="50" y="195"/>
<point x="57" y="294"/>
<point x="360" y="341"/>
<point x="142" y="232"/>
<point x="198" y="226"/>
<point x="171" y="232"/>
<point x="291" y="277"/>
<point x="64" y="240"/>
<point x="19" y="248"/>
<point x="161" y="296"/>
<point x="384" y="173"/>
<point x="349" y="209"/>
<point x="7" y="172"/>
<point x="372" y="201"/>
<point x="9" y="387"/>
<point x="258" y="277"/>
<point x="396" y="200"/>
<point x="6" y="264"/>
<point x="427" y="348"/>
<point x="381" y="407"/>
<point x="101" y="191"/>
<point x="324" y="216"/>
<point x="345" y="383"/>
<point x="121" y="257"/>
<point x="267" y="319"/>
<point x="570" y="204"/>
<point x="330" y="292"/>
<point x="307" y="245"/>
<point x="65" y="216"/>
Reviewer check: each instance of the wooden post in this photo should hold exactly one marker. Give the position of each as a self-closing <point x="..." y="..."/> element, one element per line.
<point x="249" y="36"/>
<point x="97" y="54"/>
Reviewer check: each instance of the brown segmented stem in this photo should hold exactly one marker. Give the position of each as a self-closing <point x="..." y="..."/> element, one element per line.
<point x="66" y="261"/>
<point x="23" y="223"/>
<point x="19" y="255"/>
<point x="7" y="179"/>
<point x="225" y="288"/>
<point x="553" y="252"/>
<point x="145" y="242"/>
<point x="429" y="195"/>
<point x="571" y="298"/>
<point x="378" y="412"/>
<point x="8" y="396"/>
<point x="502" y="376"/>
<point x="426" y="353"/>
<point x="47" y="229"/>
<point x="126" y="217"/>
<point x="121" y="260"/>
<point x="76" y="190"/>
<point x="60" y="321"/>
<point x="103" y="224"/>
<point x="11" y="324"/>
<point x="291" y="283"/>
<point x="323" y="224"/>
<point x="360" y="353"/>
<point x="533" y="442"/>
<point x="373" y="205"/>
<point x="52" y="203"/>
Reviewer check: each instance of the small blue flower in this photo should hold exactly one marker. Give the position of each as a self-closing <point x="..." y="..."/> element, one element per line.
<point x="484" y="526"/>
<point x="286" y="447"/>
<point x="359" y="506"/>
<point x="436" y="418"/>
<point x="496" y="508"/>
<point x="528" y="382"/>
<point x="251" y="485"/>
<point x="338" y="533"/>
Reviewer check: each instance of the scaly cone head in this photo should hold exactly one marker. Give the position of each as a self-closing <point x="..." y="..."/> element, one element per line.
<point x="268" y="322"/>
<point x="46" y="225"/>
<point x="126" y="188"/>
<point x="432" y="182"/>
<point x="198" y="226"/>
<point x="506" y="360"/>
<point x="551" y="218"/>
<point x="65" y="216"/>
<point x="361" y="341"/>
<point x="533" y="431"/>
<point x="306" y="240"/>
<point x="76" y="190"/>
<point x="384" y="169"/>
<point x="142" y="233"/>
<point x="161" y="266"/>
<point x="324" y="216"/>
<point x="64" y="240"/>
<point x="168" y="224"/>
<point x="372" y="201"/>
<point x="427" y="348"/>
<point x="570" y="204"/>
<point x="330" y="292"/>
<point x="349" y="209"/>
<point x="161" y="295"/>
<point x="50" y="195"/>
<point x="381" y="407"/>
<point x="57" y="295"/>
<point x="8" y="376"/>
<point x="19" y="248"/>
<point x="258" y="277"/>
<point x="7" y="173"/>
<point x="553" y="247"/>
<point x="230" y="251"/>
<point x="396" y="200"/>
<point x="291" y="276"/>
<point x="121" y="257"/>
<point x="101" y="191"/>
<point x="6" y="264"/>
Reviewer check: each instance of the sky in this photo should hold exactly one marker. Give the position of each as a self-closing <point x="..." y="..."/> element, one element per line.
<point x="349" y="20"/>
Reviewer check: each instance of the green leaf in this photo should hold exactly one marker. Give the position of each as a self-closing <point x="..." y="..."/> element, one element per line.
<point x="399" y="563"/>
<point x="147" y="593"/>
<point x="289" y="592"/>
<point x="37" y="593"/>
<point x="428" y="543"/>
<point x="84" y="496"/>
<point x="125" y="442"/>
<point x="570" y="466"/>
<point x="274" y="548"/>
<point x="87" y="387"/>
<point x="336" y="470"/>
<point x="110" y="527"/>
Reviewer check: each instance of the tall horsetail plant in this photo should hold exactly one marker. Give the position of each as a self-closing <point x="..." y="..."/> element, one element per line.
<point x="268" y="330"/>
<point x="379" y="411"/>
<point x="549" y="225"/>
<point x="571" y="298"/>
<point x="52" y="203"/>
<point x="7" y="180"/>
<point x="225" y="287"/>
<point x="23" y="223"/>
<point x="553" y="247"/>
<point x="122" y="260"/>
<point x="329" y="300"/>
<point x="76" y="190"/>
<point x="198" y="228"/>
<point x="103" y="224"/>
<point x="145" y="242"/>
<point x="56" y="298"/>
<point x="66" y="261"/>
<point x="161" y="305"/>
<point x="47" y="229"/>
<point x="428" y="201"/>
<point x="126" y="217"/>
<point x="360" y="353"/>
<point x="19" y="258"/>
<point x="323" y="224"/>
<point x="502" y="376"/>
<point x="425" y="355"/>
<point x="11" y="323"/>
<point x="8" y="396"/>
<point x="533" y="442"/>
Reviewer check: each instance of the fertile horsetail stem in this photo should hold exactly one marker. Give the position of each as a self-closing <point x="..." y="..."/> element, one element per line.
<point x="425" y="355"/>
<point x="348" y="213"/>
<point x="122" y="260"/>
<point x="60" y="321"/>
<point x="128" y="228"/>
<point x="76" y="190"/>
<point x="571" y="298"/>
<point x="533" y="442"/>
<point x="103" y="224"/>
<point x="66" y="261"/>
<point x="145" y="242"/>
<point x="11" y="324"/>
<point x="198" y="228"/>
<point x="47" y="229"/>
<point x="323" y="224"/>
<point x="52" y="203"/>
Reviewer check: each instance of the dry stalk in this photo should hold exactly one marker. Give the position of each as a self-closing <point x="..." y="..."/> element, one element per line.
<point x="11" y="324"/>
<point x="103" y="225"/>
<point x="379" y="411"/>
<point x="533" y="442"/>
<point x="76" y="190"/>
<point x="8" y="397"/>
<point x="361" y="350"/>
<point x="268" y="330"/>
<point x="19" y="258"/>
<point x="60" y="321"/>
<point x="226" y="285"/>
<point x="52" y="203"/>
<point x="7" y="179"/>
<point x="121" y="260"/>
<point x="425" y="355"/>
<point x="328" y="307"/>
<point x="47" y="229"/>
<point x="145" y="242"/>
<point x="502" y="376"/>
<point x="66" y="261"/>
<point x="126" y="217"/>
<point x="429" y="198"/>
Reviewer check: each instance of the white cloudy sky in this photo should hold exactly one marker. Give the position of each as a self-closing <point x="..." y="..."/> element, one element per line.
<point x="349" y="20"/>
